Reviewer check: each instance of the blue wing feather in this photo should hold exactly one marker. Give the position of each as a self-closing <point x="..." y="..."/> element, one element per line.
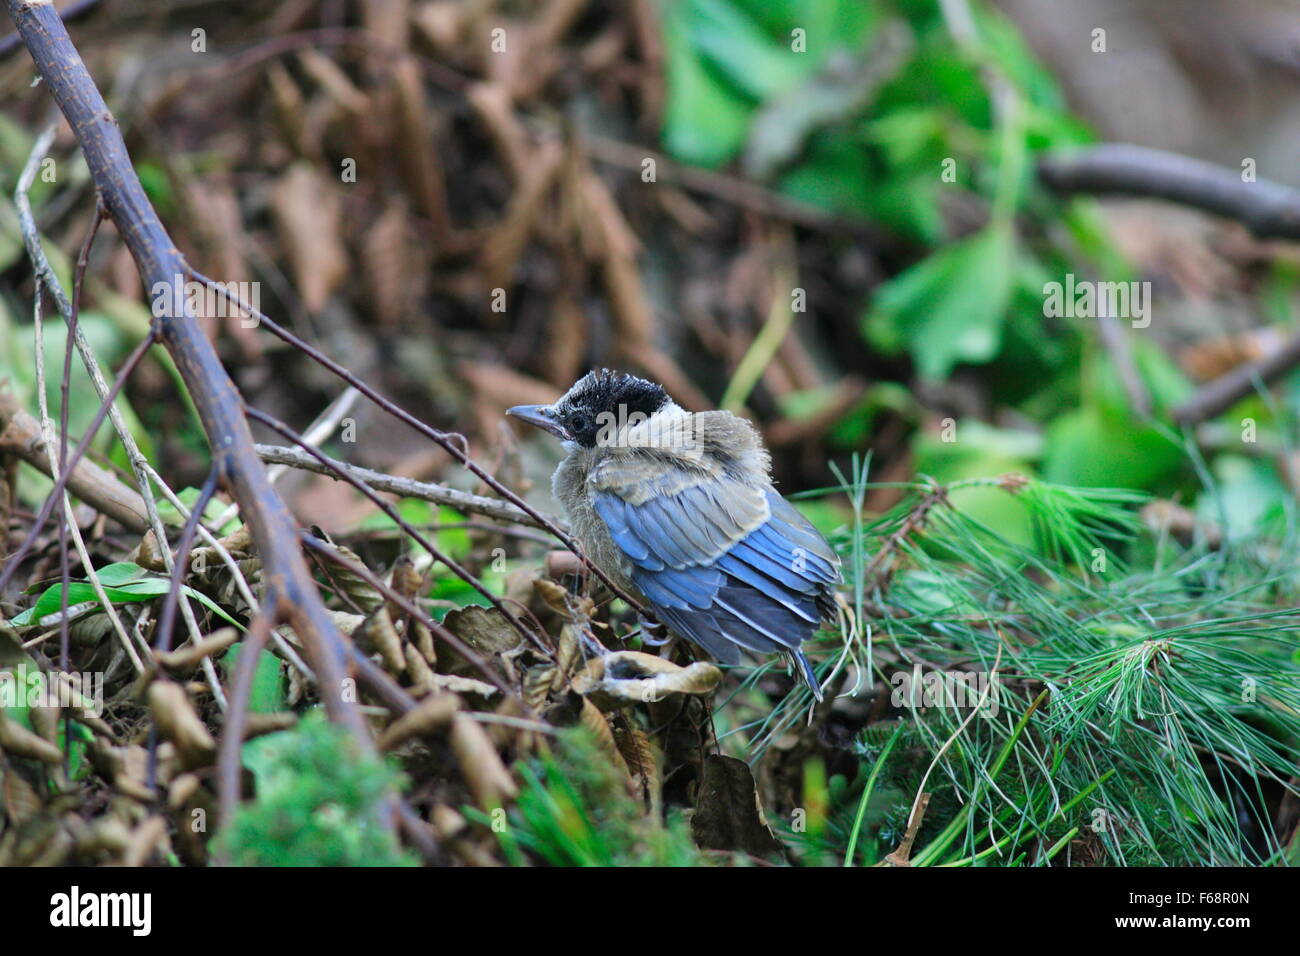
<point x="720" y="585"/>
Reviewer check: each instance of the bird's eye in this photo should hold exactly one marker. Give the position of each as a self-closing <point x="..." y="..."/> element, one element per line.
<point x="579" y="421"/>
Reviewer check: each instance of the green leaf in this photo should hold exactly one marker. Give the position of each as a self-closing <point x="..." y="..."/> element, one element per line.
<point x="267" y="692"/>
<point x="827" y="24"/>
<point x="1091" y="448"/>
<point x="704" y="119"/>
<point x="735" y="46"/>
<point x="123" y="572"/>
<point x="950" y="307"/>
<point x="127" y="588"/>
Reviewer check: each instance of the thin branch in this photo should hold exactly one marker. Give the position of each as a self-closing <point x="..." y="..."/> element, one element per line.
<point x="1223" y="392"/>
<point x="68" y="309"/>
<point x="453" y="444"/>
<point x="69" y="523"/>
<point x="319" y="430"/>
<point x="406" y="487"/>
<point x="70" y="13"/>
<point x="1268" y="209"/>
<point x="232" y="734"/>
<point x="20" y="435"/>
<point x="162" y="639"/>
<point x="456" y="567"/>
<point x="435" y="627"/>
<point x="237" y="575"/>
<point x="13" y="561"/>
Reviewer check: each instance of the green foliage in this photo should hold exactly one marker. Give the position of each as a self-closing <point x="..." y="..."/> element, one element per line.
<point x="319" y="803"/>
<point x="266" y="694"/>
<point x="575" y="810"/>
<point x="1144" y="712"/>
<point x="950" y="308"/>
<point x="123" y="582"/>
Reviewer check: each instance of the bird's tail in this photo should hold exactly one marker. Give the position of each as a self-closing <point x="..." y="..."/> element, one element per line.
<point x="805" y="668"/>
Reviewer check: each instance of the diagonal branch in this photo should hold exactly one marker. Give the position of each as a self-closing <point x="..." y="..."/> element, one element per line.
<point x="1268" y="209"/>
<point x="291" y="593"/>
<point x="463" y="501"/>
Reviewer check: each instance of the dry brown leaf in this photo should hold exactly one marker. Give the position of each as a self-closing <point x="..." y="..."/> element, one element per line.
<point x="564" y="603"/>
<point x="20" y="800"/>
<point x="334" y="81"/>
<point x="496" y="111"/>
<point x="393" y="277"/>
<point x="307" y="211"/>
<point x="505" y="244"/>
<point x="18" y="740"/>
<point x="418" y="671"/>
<point x="643" y="763"/>
<point x="191" y="656"/>
<point x="379" y="635"/>
<point x="480" y="764"/>
<point x="624" y="678"/>
<point x="430" y="716"/>
<point x="485" y="629"/>
<point x="727" y="815"/>
<point x="148" y="838"/>
<point x="598" y="725"/>
<point x="177" y="722"/>
<point x="421" y="161"/>
<point x="442" y="24"/>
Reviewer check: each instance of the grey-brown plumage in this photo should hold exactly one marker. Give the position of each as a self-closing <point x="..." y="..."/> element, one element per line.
<point x="679" y="509"/>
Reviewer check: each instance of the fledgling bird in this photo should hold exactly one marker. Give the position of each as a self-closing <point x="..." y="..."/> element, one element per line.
<point x="679" y="508"/>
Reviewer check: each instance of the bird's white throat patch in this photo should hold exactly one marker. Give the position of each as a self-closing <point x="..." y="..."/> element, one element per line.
<point x="671" y="429"/>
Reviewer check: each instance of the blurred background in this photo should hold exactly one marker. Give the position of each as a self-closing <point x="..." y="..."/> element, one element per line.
<point x="823" y="214"/>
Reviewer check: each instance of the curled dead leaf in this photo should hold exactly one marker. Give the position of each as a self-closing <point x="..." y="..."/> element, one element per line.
<point x="178" y="723"/>
<point x="431" y="715"/>
<point x="18" y="740"/>
<point x="378" y="634"/>
<point x="481" y="765"/>
<point x="623" y="678"/>
<point x="190" y="656"/>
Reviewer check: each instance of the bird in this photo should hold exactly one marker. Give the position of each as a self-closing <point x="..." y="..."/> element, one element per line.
<point x="679" y="509"/>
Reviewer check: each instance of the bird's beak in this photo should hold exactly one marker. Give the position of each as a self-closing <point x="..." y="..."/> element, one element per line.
<point x="543" y="416"/>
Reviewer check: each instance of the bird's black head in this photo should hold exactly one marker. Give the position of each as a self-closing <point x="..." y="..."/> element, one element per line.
<point x="598" y="403"/>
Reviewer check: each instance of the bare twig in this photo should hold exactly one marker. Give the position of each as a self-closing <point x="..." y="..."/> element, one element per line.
<point x="236" y="574"/>
<point x="453" y="444"/>
<point x="232" y="735"/>
<point x="20" y="435"/>
<point x="1268" y="209"/>
<point x="69" y="524"/>
<point x="70" y="13"/>
<point x="162" y="639"/>
<point x="406" y="487"/>
<point x="14" y="561"/>
<point x="436" y="628"/>
<point x="438" y="555"/>
<point x="737" y="191"/>
<point x="1218" y="395"/>
<point x="68" y="309"/>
